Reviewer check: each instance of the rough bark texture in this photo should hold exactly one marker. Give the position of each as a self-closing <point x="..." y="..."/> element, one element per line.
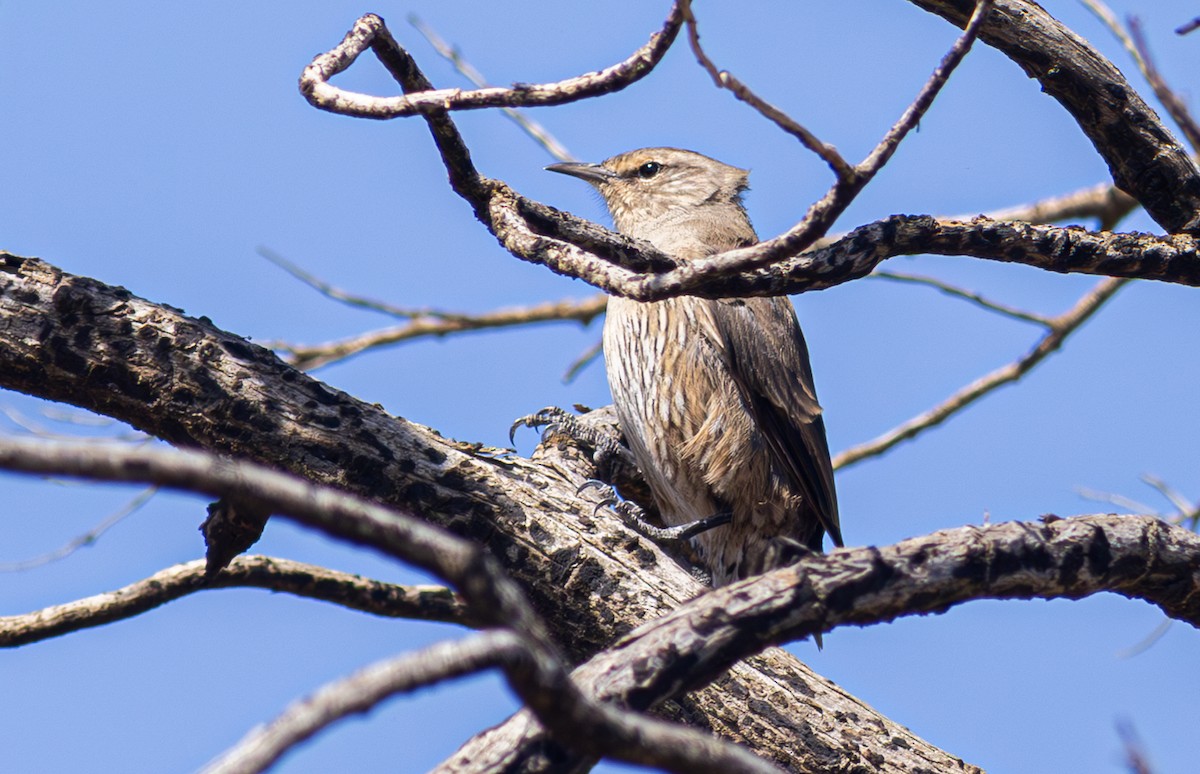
<point x="1145" y="160"/>
<point x="1136" y="556"/>
<point x="99" y="347"/>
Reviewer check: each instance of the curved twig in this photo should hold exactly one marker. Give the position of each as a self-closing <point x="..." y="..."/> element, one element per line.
<point x="314" y="82"/>
<point x="424" y="603"/>
<point x="364" y="690"/>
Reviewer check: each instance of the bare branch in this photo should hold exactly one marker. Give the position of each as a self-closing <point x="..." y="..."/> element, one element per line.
<point x="443" y="324"/>
<point x="1105" y="202"/>
<point x="586" y="358"/>
<point x="912" y="116"/>
<point x="822" y="213"/>
<point x="1123" y="128"/>
<point x="363" y="691"/>
<point x="540" y="678"/>
<point x="1135" y="556"/>
<point x="1170" y="99"/>
<point x="1135" y="45"/>
<point x="966" y="295"/>
<point x="1172" y="495"/>
<point x="138" y="363"/>
<point x="1135" y="753"/>
<point x="86" y="539"/>
<point x="343" y="296"/>
<point x="726" y="80"/>
<point x="1060" y="328"/>
<point x="566" y="245"/>
<point x="314" y="83"/>
<point x="424" y="603"/>
<point x="534" y="129"/>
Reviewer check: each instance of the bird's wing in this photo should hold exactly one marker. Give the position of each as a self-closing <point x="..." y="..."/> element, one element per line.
<point x="761" y="341"/>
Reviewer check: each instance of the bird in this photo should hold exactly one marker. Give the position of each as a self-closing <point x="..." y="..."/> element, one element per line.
<point x="715" y="397"/>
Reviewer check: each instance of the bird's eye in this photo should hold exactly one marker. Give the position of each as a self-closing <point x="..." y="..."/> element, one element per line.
<point x="648" y="170"/>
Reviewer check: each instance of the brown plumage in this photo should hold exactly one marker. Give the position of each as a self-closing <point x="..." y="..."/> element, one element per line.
<point x="715" y="398"/>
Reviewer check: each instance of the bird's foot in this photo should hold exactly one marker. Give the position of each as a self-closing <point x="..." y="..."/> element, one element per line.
<point x="607" y="451"/>
<point x="634" y="517"/>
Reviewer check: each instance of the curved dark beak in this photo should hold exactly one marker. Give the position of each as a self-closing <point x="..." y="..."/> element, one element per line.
<point x="592" y="173"/>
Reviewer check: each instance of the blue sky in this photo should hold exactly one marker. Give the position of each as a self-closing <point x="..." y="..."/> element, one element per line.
<point x="158" y="146"/>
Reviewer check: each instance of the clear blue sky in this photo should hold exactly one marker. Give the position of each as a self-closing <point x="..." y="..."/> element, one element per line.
<point x="158" y="145"/>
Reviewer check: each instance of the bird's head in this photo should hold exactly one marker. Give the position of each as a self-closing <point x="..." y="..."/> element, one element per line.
<point x="642" y="186"/>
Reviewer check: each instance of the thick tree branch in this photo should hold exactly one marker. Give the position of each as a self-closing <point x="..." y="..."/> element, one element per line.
<point x="1135" y="556"/>
<point x="75" y="339"/>
<point x="539" y="676"/>
<point x="425" y="603"/>
<point x="1139" y="557"/>
<point x="1144" y="159"/>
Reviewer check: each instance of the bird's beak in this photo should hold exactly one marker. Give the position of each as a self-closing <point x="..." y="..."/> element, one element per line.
<point x="592" y="173"/>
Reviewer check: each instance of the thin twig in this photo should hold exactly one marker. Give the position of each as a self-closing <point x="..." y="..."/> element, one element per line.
<point x="1134" y="43"/>
<point x="363" y="691"/>
<point x="1147" y="642"/>
<point x="443" y="324"/>
<point x="1104" y="201"/>
<point x="916" y="111"/>
<point x="1170" y="99"/>
<point x="1172" y="495"/>
<point x="453" y="55"/>
<point x="314" y="82"/>
<point x="86" y="539"/>
<point x="421" y="603"/>
<point x="1112" y="498"/>
<point x="964" y="294"/>
<point x="1062" y="327"/>
<point x="346" y="297"/>
<point x="726" y="80"/>
<point x="1135" y="753"/>
<point x="822" y="213"/>
<point x="586" y="358"/>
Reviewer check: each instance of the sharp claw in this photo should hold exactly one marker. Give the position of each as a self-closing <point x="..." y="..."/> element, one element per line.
<point x="591" y="483"/>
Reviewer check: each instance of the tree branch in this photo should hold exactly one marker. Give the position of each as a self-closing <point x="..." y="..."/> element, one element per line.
<point x="424" y="603"/>
<point x="99" y="347"/>
<point x="362" y="692"/>
<point x="314" y="82"/>
<point x="1059" y="329"/>
<point x="1135" y="556"/>
<point x="316" y="355"/>
<point x="1144" y="159"/>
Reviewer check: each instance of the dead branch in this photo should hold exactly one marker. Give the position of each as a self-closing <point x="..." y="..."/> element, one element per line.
<point x="99" y="347"/>
<point x="423" y="603"/>
<point x="539" y="676"/>
<point x="1060" y="328"/>
<point x="443" y="324"/>
<point x="314" y="83"/>
<point x="1139" y="557"/>
<point x="1144" y="159"/>
<point x="363" y="691"/>
<point x="566" y="245"/>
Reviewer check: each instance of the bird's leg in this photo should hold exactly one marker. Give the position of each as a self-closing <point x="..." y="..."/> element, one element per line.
<point x="606" y="449"/>
<point x="634" y="517"/>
